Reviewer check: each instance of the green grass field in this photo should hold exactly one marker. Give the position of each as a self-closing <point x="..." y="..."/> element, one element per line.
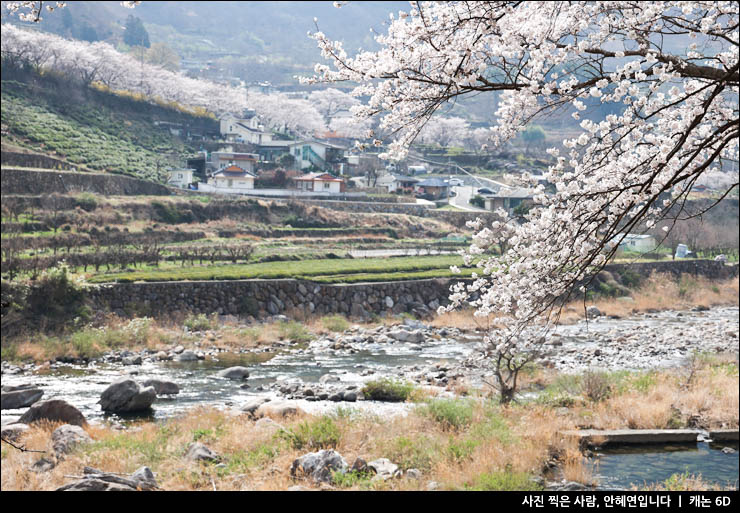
<point x="325" y="270"/>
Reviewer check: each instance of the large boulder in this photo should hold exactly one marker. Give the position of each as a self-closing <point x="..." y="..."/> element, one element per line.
<point x="53" y="410"/>
<point x="162" y="387"/>
<point x="19" y="398"/>
<point x="319" y="466"/>
<point x="234" y="373"/>
<point x="126" y="395"/>
<point x="65" y="438"/>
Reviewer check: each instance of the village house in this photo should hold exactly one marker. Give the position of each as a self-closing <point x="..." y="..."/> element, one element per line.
<point x="273" y="150"/>
<point x="319" y="182"/>
<point x="404" y="184"/>
<point x="638" y="243"/>
<point x="433" y="188"/>
<point x="320" y="155"/>
<point x="509" y="199"/>
<point x="246" y="161"/>
<point x="231" y="179"/>
<point x="181" y="178"/>
<point x="245" y="129"/>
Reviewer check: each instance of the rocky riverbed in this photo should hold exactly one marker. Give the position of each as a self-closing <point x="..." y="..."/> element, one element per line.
<point x="331" y="370"/>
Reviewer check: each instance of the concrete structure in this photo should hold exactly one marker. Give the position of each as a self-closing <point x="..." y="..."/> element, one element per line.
<point x="634" y="436"/>
<point x="181" y="178"/>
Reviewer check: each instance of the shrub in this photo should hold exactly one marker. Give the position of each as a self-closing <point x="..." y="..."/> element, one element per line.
<point x="320" y="434"/>
<point x="418" y="452"/>
<point x="387" y="390"/>
<point x="86" y="201"/>
<point x="294" y="331"/>
<point x="335" y="323"/>
<point x="56" y="299"/>
<point x="596" y="386"/>
<point x="201" y="322"/>
<point x="450" y="413"/>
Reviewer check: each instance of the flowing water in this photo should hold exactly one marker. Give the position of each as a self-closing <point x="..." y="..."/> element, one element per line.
<point x="621" y="467"/>
<point x="199" y="385"/>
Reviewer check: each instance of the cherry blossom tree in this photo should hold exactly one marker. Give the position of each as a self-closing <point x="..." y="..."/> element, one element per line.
<point x="445" y="131"/>
<point x="331" y="101"/>
<point x="667" y="70"/>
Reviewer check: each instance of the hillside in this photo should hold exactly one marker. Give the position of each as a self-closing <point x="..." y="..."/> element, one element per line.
<point x="95" y="129"/>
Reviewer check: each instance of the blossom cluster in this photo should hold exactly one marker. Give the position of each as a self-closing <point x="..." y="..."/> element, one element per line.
<point x="675" y="118"/>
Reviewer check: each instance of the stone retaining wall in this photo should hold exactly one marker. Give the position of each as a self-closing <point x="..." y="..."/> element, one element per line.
<point x="14" y="158"/>
<point x="261" y="298"/>
<point x="24" y="181"/>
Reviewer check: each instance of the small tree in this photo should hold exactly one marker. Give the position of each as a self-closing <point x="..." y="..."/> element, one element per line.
<point x="135" y="33"/>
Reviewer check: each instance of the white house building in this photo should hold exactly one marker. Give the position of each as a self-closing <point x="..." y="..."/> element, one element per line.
<point x="181" y="178"/>
<point x="229" y="180"/>
<point x="319" y="182"/>
<point x="245" y="129"/>
<point x="638" y="243"/>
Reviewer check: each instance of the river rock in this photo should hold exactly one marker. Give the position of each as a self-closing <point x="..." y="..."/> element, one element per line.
<point x="162" y="387"/>
<point x="267" y="425"/>
<point x="43" y="465"/>
<point x="95" y="480"/>
<point x="125" y="395"/>
<point x="186" y="356"/>
<point x="278" y="409"/>
<point x="144" y="477"/>
<point x="329" y="378"/>
<point x="13" y="432"/>
<point x="234" y="373"/>
<point x="592" y="312"/>
<point x="383" y="467"/>
<point x="251" y="406"/>
<point x="199" y="452"/>
<point x="54" y="410"/>
<point x="407" y="336"/>
<point x="19" y="398"/>
<point x="65" y="438"/>
<point x="319" y="466"/>
<point x="162" y="356"/>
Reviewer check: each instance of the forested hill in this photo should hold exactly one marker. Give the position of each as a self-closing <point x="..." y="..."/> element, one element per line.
<point x="96" y="129"/>
<point x="254" y="41"/>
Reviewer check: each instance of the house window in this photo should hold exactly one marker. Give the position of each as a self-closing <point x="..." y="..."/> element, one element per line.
<point x="229" y="183"/>
<point x="179" y="175"/>
<point x="327" y="185"/>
